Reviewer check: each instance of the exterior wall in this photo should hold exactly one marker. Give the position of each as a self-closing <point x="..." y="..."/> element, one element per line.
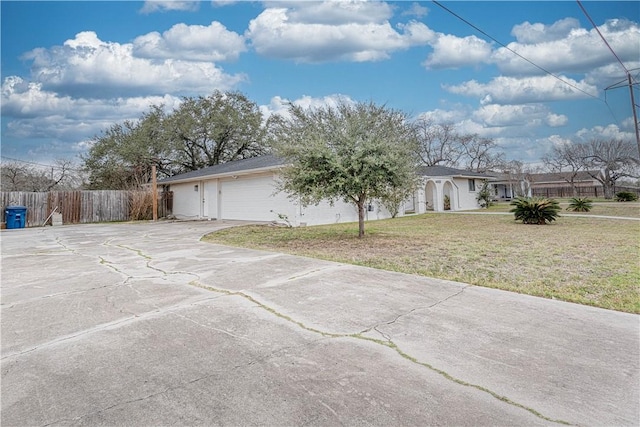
<point x="460" y="198"/>
<point x="186" y="200"/>
<point x="255" y="198"/>
<point x="467" y="199"/>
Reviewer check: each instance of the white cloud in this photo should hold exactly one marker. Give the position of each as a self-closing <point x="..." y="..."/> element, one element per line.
<point x="610" y="131"/>
<point x="301" y="36"/>
<point x="538" y="32"/>
<point x="89" y="67"/>
<point x="507" y="90"/>
<point x="579" y="51"/>
<point x="192" y="43"/>
<point x="534" y="115"/>
<point x="37" y="113"/>
<point x="416" y="10"/>
<point x="280" y="106"/>
<point x="151" y="6"/>
<point x="450" y="51"/>
<point x="338" y="12"/>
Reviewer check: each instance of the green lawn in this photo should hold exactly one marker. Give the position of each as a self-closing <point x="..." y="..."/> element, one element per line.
<point x="590" y="261"/>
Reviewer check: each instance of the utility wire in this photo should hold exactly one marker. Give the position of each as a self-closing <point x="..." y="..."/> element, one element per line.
<point x="601" y="36"/>
<point x="514" y="52"/>
<point x="39" y="164"/>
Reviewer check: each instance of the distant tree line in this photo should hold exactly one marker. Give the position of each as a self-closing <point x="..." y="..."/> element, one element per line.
<point x="227" y="126"/>
<point x="18" y="175"/>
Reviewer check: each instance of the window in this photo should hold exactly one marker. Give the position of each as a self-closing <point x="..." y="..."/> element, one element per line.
<point x="472" y="185"/>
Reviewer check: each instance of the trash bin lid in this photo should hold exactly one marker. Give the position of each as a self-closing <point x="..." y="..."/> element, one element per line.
<point x="16" y="208"/>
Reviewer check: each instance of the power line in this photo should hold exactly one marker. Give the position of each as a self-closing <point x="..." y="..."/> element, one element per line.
<point x="513" y="51"/>
<point x="628" y="75"/>
<point x="39" y="164"/>
<point x="601" y="36"/>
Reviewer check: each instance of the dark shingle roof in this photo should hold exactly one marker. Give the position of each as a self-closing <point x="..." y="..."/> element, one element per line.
<point x="447" y="171"/>
<point x="270" y="161"/>
<point x="243" y="165"/>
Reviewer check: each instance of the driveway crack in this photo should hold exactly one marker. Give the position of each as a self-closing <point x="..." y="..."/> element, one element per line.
<point x="388" y="342"/>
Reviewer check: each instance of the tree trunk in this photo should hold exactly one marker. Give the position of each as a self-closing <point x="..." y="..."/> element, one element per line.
<point x="361" y="207"/>
<point x="608" y="190"/>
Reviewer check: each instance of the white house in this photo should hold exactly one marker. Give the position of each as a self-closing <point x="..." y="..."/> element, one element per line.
<point x="247" y="190"/>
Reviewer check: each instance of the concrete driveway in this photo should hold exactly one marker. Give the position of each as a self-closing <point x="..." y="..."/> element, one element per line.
<point x="143" y="324"/>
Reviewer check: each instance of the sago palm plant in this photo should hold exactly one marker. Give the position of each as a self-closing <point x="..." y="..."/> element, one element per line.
<point x="535" y="210"/>
<point x="580" y="204"/>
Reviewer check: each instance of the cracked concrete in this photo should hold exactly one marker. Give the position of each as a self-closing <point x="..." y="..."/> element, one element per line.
<point x="142" y="324"/>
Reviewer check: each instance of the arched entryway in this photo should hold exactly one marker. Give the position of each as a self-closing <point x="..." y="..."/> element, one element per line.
<point x="431" y="196"/>
<point x="448" y="196"/>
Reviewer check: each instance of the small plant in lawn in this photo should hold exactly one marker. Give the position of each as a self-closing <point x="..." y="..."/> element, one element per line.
<point x="535" y="210"/>
<point x="447" y="203"/>
<point x="283" y="217"/>
<point x="485" y="195"/>
<point x="580" y="204"/>
<point x="626" y="196"/>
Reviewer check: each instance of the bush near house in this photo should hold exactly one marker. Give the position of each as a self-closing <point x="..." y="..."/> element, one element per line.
<point x="485" y="195"/>
<point x="535" y="210"/>
<point x="626" y="196"/>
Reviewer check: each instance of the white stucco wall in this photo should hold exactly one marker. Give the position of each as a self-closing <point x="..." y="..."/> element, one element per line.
<point x="435" y="188"/>
<point x="254" y="197"/>
<point x="467" y="199"/>
<point x="186" y="200"/>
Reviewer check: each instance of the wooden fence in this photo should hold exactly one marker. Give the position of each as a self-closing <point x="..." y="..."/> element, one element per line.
<point x="586" y="191"/>
<point x="79" y="207"/>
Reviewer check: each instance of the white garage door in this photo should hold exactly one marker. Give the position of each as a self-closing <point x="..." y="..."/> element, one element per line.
<point x="250" y="198"/>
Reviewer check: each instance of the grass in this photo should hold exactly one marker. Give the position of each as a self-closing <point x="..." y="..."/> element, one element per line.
<point x="600" y="207"/>
<point x="590" y="261"/>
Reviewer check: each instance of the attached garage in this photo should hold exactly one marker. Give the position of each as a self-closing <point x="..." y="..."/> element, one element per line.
<point x="252" y="197"/>
<point x="247" y="190"/>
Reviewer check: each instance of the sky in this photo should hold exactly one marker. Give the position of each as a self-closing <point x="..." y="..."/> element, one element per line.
<point x="529" y="75"/>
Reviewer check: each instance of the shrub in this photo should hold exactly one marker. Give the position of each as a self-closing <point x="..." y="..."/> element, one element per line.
<point x="140" y="205"/>
<point x="580" y="204"/>
<point x="485" y="195"/>
<point x="447" y="203"/>
<point x="535" y="210"/>
<point x="626" y="196"/>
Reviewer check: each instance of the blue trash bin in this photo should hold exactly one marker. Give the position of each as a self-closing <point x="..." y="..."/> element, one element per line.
<point x="15" y="216"/>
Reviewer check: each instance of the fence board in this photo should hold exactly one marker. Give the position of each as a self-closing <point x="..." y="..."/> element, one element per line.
<point x="75" y="206"/>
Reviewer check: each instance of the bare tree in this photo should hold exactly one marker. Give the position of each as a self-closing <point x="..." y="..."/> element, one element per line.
<point x="23" y="176"/>
<point x="610" y="161"/>
<point x="567" y="158"/>
<point x="479" y="154"/>
<point x="519" y="177"/>
<point x="438" y="144"/>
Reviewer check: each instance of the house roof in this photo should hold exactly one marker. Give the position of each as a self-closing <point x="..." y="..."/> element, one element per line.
<point x="447" y="171"/>
<point x="550" y="177"/>
<point x="270" y="162"/>
<point x="237" y="166"/>
<point x="553" y="177"/>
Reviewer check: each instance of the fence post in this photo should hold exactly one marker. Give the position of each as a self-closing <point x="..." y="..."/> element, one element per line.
<point x="154" y="190"/>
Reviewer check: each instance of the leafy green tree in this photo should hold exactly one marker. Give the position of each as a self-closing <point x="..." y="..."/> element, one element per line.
<point x="219" y="128"/>
<point x="201" y="132"/>
<point x="355" y="153"/>
<point x="122" y="156"/>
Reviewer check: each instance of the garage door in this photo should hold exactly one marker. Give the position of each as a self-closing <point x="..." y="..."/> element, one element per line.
<point x="250" y="198"/>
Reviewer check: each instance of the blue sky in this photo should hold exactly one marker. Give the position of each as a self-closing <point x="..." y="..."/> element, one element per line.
<point x="71" y="69"/>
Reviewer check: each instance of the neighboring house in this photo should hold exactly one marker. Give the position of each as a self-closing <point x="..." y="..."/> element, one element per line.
<point x="551" y="184"/>
<point x="247" y="190"/>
